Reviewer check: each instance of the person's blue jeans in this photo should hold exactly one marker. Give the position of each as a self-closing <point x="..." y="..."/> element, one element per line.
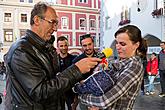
<point x="151" y="83"/>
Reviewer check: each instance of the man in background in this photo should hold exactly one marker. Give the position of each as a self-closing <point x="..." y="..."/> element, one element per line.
<point x="87" y="44"/>
<point x="161" y="59"/>
<point x="65" y="60"/>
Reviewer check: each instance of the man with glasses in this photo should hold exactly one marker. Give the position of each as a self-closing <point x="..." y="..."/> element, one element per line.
<point x="161" y="59"/>
<point x="32" y="66"/>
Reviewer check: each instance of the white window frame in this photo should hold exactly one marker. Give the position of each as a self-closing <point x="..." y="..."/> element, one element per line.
<point x="8" y="18"/>
<point x="83" y="1"/>
<point x="64" y="24"/>
<point x="22" y="1"/>
<point x="21" y="18"/>
<point x="22" y="31"/>
<point x="82" y="26"/>
<point x="108" y="23"/>
<point x="79" y="44"/>
<point x="8" y="35"/>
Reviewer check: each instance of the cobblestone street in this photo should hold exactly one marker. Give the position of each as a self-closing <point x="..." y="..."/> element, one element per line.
<point x="143" y="102"/>
<point x="2" y="87"/>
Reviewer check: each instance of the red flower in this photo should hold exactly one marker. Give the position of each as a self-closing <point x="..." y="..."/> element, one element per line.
<point x="126" y="21"/>
<point x="157" y="12"/>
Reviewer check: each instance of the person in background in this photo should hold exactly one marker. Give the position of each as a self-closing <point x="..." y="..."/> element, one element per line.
<point x="3" y="67"/>
<point x="87" y="44"/>
<point x="152" y="70"/>
<point x="65" y="60"/>
<point x="161" y="59"/>
<point x="144" y="62"/>
<point x="129" y="73"/>
<point x="32" y="66"/>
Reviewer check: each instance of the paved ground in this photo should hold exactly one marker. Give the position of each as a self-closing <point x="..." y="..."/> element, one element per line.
<point x="143" y="102"/>
<point x="2" y="87"/>
<point x="152" y="102"/>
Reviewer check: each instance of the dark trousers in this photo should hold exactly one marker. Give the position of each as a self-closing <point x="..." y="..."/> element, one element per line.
<point x="142" y="85"/>
<point x="162" y="80"/>
<point x="69" y="101"/>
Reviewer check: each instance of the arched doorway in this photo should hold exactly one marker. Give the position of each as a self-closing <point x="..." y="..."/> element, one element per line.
<point x="152" y="40"/>
<point x="153" y="43"/>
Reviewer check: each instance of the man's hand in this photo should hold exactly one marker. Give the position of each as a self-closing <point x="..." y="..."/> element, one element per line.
<point x="86" y="64"/>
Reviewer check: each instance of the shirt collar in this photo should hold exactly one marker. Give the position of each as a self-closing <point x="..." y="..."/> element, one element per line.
<point x="35" y="37"/>
<point x="122" y="63"/>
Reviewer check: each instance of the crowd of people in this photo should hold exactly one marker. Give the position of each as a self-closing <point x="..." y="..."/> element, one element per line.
<point x="41" y="77"/>
<point x="154" y="68"/>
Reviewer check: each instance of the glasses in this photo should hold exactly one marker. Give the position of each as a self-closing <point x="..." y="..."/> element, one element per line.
<point x="53" y="22"/>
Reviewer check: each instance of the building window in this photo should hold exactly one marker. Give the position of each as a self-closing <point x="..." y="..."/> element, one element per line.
<point x="125" y="16"/>
<point x="22" y="32"/>
<point x="22" y="0"/>
<point x="158" y="8"/>
<point x="82" y="22"/>
<point x="107" y="23"/>
<point x="23" y="17"/>
<point x="94" y="39"/>
<point x="8" y="35"/>
<point x="93" y="23"/>
<point x="83" y="1"/>
<point x="79" y="42"/>
<point x="64" y="23"/>
<point x="30" y="1"/>
<point x="54" y="1"/>
<point x="7" y="17"/>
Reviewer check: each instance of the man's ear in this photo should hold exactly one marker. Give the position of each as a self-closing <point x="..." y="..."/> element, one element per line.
<point x="36" y="20"/>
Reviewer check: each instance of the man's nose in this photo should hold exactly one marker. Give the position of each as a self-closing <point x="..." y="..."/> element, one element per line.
<point x="88" y="46"/>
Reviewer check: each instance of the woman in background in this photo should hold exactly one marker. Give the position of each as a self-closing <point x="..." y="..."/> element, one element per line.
<point x="152" y="70"/>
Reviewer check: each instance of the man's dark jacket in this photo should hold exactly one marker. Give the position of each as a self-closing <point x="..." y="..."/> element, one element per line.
<point x="32" y="79"/>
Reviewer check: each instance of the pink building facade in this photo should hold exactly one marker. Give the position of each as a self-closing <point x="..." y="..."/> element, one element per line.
<point x="78" y="17"/>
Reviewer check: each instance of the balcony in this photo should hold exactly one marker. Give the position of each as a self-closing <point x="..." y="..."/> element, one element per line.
<point x="157" y="13"/>
<point x="123" y="22"/>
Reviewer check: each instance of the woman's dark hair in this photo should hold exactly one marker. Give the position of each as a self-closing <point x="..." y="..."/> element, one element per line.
<point x="153" y="53"/>
<point x="135" y="36"/>
<point x="39" y="9"/>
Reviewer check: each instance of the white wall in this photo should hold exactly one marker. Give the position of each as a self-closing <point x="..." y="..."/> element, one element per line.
<point x="143" y="19"/>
